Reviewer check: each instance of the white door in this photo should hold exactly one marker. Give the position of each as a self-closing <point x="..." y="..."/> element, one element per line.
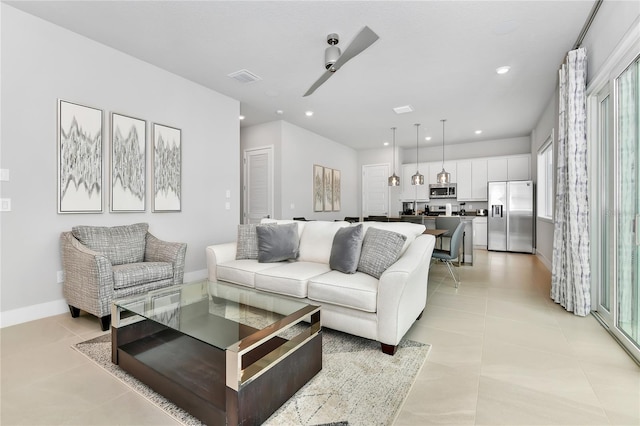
<point x="258" y="184"/>
<point x="375" y="190"/>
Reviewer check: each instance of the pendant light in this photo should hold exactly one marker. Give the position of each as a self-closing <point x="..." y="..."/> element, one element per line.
<point x="394" y="180"/>
<point x="443" y="176"/>
<point x="417" y="179"/>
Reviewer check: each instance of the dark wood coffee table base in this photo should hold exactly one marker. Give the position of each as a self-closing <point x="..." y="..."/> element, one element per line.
<point x="192" y="374"/>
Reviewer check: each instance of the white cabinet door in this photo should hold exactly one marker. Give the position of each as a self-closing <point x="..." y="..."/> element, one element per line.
<point x="497" y="169"/>
<point x="479" y="179"/>
<point x="518" y="167"/>
<point x="465" y="180"/>
<point x="480" y="229"/>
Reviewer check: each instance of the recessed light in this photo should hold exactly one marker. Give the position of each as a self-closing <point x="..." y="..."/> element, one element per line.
<point x="503" y="70"/>
<point x="308" y="113"/>
<point x="386" y="144"/>
<point x="428" y="138"/>
<point x="477" y="132"/>
<point x="279" y="112"/>
<point x="241" y="117"/>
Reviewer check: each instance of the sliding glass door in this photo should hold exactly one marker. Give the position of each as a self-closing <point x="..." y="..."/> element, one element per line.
<point x="628" y="217"/>
<point x="616" y="226"/>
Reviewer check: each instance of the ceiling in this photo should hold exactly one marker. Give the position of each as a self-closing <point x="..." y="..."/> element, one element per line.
<point x="439" y="57"/>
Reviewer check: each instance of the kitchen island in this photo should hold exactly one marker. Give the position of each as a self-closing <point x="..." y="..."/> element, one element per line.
<point x="430" y="223"/>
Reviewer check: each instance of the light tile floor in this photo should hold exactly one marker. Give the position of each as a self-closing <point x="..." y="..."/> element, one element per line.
<point x="503" y="354"/>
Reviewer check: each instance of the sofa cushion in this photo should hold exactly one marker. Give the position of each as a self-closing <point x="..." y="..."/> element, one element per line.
<point x="120" y="244"/>
<point x="241" y="271"/>
<point x="247" y="247"/>
<point x="134" y="274"/>
<point x="317" y="239"/>
<point x="345" y="251"/>
<point x="290" y="279"/>
<point x="277" y="242"/>
<point x="409" y="230"/>
<point x="358" y="291"/>
<point x="380" y="249"/>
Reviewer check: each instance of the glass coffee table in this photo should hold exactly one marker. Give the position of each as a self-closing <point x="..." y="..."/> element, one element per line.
<point x="225" y="354"/>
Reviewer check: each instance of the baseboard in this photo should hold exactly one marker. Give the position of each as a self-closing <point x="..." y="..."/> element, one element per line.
<point x="33" y="312"/>
<point x="546" y="262"/>
<point x="57" y="307"/>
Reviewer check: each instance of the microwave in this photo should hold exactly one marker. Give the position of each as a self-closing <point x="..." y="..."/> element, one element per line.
<point x="442" y="190"/>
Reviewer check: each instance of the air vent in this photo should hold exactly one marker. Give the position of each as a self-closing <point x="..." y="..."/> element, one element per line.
<point x="244" y="76"/>
<point x="403" y="109"/>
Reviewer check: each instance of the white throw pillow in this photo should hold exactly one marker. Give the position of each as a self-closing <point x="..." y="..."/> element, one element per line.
<point x="317" y="239"/>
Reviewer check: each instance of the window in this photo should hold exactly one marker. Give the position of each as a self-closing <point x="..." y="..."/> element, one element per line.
<point x="545" y="180"/>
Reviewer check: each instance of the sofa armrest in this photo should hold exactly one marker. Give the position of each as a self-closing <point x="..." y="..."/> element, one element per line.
<point x="157" y="250"/>
<point x="402" y="290"/>
<point x="219" y="253"/>
<point x="88" y="277"/>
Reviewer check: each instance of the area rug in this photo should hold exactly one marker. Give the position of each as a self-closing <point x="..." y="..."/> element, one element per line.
<point x="358" y="384"/>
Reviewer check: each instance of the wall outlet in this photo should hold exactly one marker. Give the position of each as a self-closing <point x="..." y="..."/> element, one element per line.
<point x="228" y="193"/>
<point x="60" y="277"/>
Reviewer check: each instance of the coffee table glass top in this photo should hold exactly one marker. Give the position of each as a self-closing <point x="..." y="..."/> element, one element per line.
<point x="216" y="313"/>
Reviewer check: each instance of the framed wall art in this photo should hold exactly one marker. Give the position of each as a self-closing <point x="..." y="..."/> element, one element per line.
<point x="128" y="163"/>
<point x="318" y="188"/>
<point x="79" y="158"/>
<point x="328" y="189"/>
<point x="336" y="190"/>
<point x="167" y="168"/>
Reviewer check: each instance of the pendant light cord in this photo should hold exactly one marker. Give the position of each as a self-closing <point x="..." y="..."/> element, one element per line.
<point x="417" y="137"/>
<point x="394" y="150"/>
<point x="443" y="120"/>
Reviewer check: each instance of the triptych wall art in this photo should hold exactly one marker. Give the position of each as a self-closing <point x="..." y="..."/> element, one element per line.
<point x="80" y="162"/>
<point x="326" y="189"/>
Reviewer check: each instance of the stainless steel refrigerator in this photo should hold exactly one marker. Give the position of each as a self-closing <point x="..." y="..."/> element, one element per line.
<point x="510" y="220"/>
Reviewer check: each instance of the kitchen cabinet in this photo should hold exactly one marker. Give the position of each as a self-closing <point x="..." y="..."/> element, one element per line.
<point x="472" y="180"/>
<point x="513" y="167"/>
<point x="480" y="229"/>
<point x="518" y="168"/>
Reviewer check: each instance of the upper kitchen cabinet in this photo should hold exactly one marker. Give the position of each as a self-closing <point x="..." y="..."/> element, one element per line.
<point x="514" y="167"/>
<point x="472" y="180"/>
<point x="436" y="167"/>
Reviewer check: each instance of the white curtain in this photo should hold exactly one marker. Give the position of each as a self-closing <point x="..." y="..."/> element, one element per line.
<point x="570" y="283"/>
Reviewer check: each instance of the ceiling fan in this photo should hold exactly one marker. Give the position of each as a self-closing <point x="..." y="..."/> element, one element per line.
<point x="334" y="59"/>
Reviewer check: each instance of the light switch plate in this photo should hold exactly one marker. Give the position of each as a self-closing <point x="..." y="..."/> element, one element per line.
<point x="5" y="204"/>
<point x="4" y="175"/>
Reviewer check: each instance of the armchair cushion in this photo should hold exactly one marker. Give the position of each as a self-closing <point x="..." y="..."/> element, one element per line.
<point x="120" y="244"/>
<point x="134" y="274"/>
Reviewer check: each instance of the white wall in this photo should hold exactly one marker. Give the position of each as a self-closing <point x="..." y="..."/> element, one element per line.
<point x="42" y="62"/>
<point x="487" y="148"/>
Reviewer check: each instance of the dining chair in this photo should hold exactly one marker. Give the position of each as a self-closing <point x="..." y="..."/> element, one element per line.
<point x="447" y="256"/>
<point x="450" y="223"/>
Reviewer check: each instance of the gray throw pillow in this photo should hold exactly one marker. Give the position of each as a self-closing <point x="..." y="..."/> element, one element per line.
<point x="277" y="242"/>
<point x="380" y="249"/>
<point x="247" y="246"/>
<point x="120" y="244"/>
<point x="345" y="251"/>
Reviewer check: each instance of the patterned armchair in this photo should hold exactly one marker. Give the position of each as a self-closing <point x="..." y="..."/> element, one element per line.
<point x="105" y="263"/>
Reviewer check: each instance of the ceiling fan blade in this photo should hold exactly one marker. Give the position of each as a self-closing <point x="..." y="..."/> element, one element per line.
<point x="363" y="40"/>
<point x="324" y="77"/>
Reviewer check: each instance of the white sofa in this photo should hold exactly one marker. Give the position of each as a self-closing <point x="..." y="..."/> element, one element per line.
<point x="379" y="309"/>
